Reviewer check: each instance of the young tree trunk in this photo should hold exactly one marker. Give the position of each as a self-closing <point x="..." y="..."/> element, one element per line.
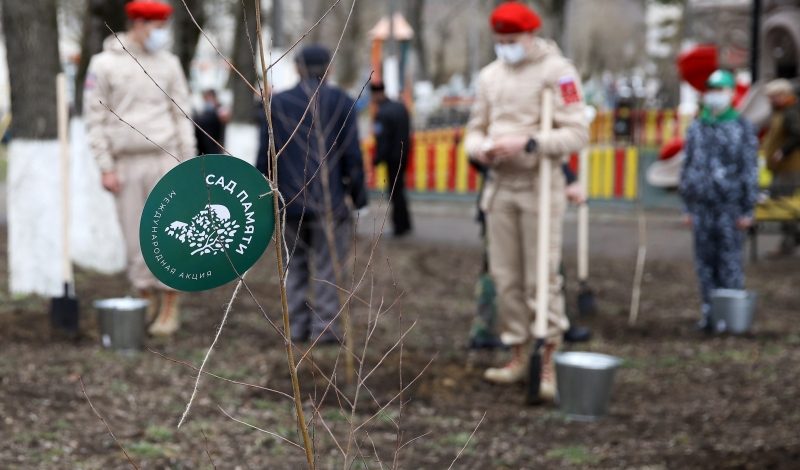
<point x="100" y="15"/>
<point x="243" y="60"/>
<point x="185" y="33"/>
<point x="31" y="27"/>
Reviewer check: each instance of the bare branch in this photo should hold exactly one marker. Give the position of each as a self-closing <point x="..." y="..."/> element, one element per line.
<point x="468" y="441"/>
<point x="219" y="377"/>
<point x="275" y="435"/>
<point x="211" y="348"/>
<point x="108" y="428"/>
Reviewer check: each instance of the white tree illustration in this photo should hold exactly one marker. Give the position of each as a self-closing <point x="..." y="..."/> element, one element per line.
<point x="209" y="232"/>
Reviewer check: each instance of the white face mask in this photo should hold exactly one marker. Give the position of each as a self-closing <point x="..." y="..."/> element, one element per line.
<point x="157" y="40"/>
<point x="510" y="53"/>
<point x="717" y="101"/>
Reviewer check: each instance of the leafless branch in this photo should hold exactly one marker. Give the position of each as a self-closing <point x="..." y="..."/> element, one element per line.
<point x="275" y="435"/>
<point x="468" y="441"/>
<point x="108" y="428"/>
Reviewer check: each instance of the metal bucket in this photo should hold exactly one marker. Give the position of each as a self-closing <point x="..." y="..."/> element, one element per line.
<point x="121" y="323"/>
<point x="732" y="310"/>
<point x="584" y="382"/>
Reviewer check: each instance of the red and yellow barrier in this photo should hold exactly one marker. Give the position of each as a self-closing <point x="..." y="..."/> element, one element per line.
<point x="648" y="128"/>
<point x="438" y="164"/>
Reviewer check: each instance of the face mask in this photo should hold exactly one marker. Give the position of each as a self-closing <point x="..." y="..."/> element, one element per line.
<point x="717" y="101"/>
<point x="510" y="53"/>
<point x="157" y="40"/>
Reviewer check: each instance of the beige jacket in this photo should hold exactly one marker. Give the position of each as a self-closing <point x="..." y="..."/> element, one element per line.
<point x="116" y="80"/>
<point x="508" y="102"/>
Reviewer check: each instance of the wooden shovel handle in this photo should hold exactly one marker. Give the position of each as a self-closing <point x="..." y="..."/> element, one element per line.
<point x="63" y="138"/>
<point x="543" y="239"/>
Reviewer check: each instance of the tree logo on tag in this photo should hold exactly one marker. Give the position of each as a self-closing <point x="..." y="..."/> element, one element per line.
<point x="206" y="222"/>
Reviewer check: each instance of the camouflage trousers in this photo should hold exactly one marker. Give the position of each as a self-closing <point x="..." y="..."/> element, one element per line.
<point x="717" y="253"/>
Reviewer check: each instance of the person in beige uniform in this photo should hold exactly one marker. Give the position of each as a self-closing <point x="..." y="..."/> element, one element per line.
<point x="131" y="164"/>
<point x="503" y="133"/>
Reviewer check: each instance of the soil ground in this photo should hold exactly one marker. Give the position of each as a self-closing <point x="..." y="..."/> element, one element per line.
<point x="681" y="400"/>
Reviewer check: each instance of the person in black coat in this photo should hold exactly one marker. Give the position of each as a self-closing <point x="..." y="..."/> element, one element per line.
<point x="392" y="129"/>
<point x="211" y="119"/>
<point x="321" y="181"/>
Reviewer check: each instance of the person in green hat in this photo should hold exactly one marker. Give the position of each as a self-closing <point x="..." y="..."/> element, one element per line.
<point x="719" y="186"/>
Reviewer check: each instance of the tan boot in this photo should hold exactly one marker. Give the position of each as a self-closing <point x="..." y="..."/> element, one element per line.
<point x="514" y="371"/>
<point x="152" y="304"/>
<point x="168" y="318"/>
<point x="547" y="387"/>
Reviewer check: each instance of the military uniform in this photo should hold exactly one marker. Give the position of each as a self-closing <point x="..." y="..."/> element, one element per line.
<point x="115" y="81"/>
<point x="508" y="103"/>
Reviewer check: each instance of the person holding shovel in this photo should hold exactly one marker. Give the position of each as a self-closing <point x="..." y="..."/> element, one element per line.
<point x="719" y="188"/>
<point x="504" y="133"/>
<point x="137" y="134"/>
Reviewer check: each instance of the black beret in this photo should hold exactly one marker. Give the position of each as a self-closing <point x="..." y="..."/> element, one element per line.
<point x="313" y="56"/>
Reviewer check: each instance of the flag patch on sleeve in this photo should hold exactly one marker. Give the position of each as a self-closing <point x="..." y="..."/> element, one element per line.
<point x="569" y="90"/>
<point x="91" y="81"/>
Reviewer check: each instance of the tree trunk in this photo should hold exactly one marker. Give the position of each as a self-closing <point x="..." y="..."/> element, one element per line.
<point x="416" y="17"/>
<point x="243" y="60"/>
<point x="185" y="32"/>
<point x="347" y="66"/>
<point x="32" y="29"/>
<point x="99" y="13"/>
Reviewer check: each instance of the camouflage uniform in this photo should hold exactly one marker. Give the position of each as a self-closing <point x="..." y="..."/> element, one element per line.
<point x="719" y="185"/>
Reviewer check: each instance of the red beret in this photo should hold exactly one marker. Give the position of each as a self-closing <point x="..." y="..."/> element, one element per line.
<point x="697" y="64"/>
<point x="148" y="10"/>
<point x="514" y="17"/>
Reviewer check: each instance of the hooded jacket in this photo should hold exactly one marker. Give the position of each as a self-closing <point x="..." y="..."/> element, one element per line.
<point x="115" y="81"/>
<point x="508" y="102"/>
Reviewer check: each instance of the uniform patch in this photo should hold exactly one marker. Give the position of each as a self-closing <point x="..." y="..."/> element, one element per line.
<point x="569" y="90"/>
<point x="90" y="82"/>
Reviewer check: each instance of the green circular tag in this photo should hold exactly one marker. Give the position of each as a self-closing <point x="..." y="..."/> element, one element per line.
<point x="207" y="219"/>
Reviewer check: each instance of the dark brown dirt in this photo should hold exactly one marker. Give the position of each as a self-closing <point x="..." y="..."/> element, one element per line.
<point x="680" y="401"/>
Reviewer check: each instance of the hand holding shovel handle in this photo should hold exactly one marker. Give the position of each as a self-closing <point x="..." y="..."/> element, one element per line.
<point x="542" y="255"/>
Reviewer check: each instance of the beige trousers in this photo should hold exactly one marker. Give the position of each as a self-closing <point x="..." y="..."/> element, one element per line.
<point x="512" y="221"/>
<point x="138" y="175"/>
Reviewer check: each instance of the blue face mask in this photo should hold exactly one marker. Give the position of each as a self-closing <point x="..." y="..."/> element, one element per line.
<point x="157" y="40"/>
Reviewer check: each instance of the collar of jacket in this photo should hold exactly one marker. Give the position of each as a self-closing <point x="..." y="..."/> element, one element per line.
<point x="729" y="114"/>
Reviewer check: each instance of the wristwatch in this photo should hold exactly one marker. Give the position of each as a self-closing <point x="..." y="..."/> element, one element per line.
<point x="531" y="145"/>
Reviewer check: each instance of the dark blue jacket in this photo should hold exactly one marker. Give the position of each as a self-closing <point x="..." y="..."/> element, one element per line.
<point x="720" y="173"/>
<point x="327" y="134"/>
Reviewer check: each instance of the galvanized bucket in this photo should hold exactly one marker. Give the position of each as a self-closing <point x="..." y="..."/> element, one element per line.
<point x="732" y="310"/>
<point x="122" y="323"/>
<point x="584" y="383"/>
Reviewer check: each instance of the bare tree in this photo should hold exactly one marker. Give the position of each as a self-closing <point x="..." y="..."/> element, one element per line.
<point x="100" y="16"/>
<point x="416" y="18"/>
<point x="352" y="47"/>
<point x="33" y="30"/>
<point x="244" y="42"/>
<point x="185" y="32"/>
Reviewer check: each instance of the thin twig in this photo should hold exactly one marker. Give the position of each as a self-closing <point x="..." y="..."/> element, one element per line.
<point x="108" y="428"/>
<point x="468" y="441"/>
<point x="219" y="377"/>
<point x="210" y="349"/>
<point x="138" y="131"/>
<point x="208" y="453"/>
<point x="275" y="435"/>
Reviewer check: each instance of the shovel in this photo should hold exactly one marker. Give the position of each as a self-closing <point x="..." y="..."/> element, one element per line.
<point x="64" y="309"/>
<point x="586" y="303"/>
<point x="542" y="258"/>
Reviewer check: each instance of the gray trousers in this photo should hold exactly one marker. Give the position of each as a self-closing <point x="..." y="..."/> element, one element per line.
<point x="311" y="282"/>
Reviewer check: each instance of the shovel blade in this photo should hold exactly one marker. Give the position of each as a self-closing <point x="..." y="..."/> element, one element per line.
<point x="535" y="375"/>
<point x="64" y="314"/>
<point x="586" y="303"/>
